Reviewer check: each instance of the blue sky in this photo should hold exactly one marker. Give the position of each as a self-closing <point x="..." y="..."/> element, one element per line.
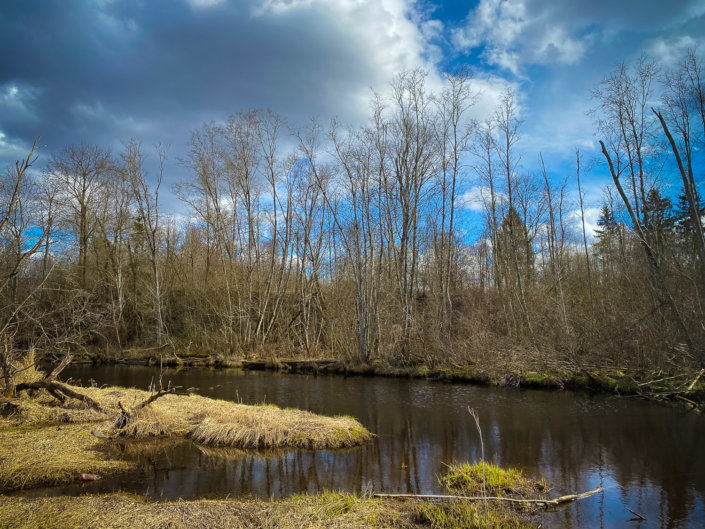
<point x="103" y="71"/>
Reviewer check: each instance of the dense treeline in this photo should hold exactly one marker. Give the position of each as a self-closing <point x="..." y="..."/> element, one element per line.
<point x="352" y="243"/>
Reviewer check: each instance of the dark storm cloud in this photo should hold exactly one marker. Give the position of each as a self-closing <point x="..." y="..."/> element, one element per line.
<point x="104" y="71"/>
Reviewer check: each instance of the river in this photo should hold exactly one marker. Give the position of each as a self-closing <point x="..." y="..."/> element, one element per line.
<point x="647" y="457"/>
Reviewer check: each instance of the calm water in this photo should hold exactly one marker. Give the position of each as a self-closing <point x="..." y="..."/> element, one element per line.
<point x="647" y="457"/>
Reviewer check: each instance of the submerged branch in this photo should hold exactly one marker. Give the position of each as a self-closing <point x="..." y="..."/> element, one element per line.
<point x="562" y="500"/>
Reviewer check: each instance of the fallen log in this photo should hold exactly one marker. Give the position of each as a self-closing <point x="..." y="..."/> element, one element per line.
<point x="545" y="503"/>
<point x="695" y="381"/>
<point x="57" y="390"/>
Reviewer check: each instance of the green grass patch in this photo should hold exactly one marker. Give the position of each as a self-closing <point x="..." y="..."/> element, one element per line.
<point x="484" y="478"/>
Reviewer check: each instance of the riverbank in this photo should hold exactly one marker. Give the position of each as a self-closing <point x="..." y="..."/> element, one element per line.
<point x="327" y="509"/>
<point x="685" y="388"/>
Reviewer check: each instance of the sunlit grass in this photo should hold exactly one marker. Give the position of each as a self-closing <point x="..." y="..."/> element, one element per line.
<point x="467" y="479"/>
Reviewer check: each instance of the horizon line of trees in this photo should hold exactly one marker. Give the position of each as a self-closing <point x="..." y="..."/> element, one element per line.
<point x="352" y="246"/>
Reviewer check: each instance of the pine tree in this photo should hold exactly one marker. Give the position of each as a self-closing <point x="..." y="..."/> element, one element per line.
<point x="608" y="237"/>
<point x="659" y="221"/>
<point x="513" y="223"/>
<point x="685" y="224"/>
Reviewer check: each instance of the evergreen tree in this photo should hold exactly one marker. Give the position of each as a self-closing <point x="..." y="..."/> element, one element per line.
<point x="659" y="221"/>
<point x="685" y="224"/>
<point x="607" y="237"/>
<point x="519" y="248"/>
<point x="606" y="222"/>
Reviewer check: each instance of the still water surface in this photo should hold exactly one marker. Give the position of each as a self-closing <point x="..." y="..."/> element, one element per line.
<point x="647" y="457"/>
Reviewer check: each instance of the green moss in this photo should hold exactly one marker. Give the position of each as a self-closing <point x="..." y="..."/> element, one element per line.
<point x="421" y="371"/>
<point x="268" y="405"/>
<point x="544" y="380"/>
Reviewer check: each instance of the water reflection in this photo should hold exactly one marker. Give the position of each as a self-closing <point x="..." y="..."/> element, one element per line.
<point x="648" y="458"/>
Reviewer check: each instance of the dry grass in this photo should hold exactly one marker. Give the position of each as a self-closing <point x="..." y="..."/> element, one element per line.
<point x="330" y="510"/>
<point x="214" y="422"/>
<point x="205" y="421"/>
<point x="44" y="443"/>
<point x="32" y="456"/>
<point x="470" y="515"/>
<point x="114" y="511"/>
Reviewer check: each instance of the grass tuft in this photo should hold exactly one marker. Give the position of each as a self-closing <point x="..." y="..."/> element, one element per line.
<point x="467" y="479"/>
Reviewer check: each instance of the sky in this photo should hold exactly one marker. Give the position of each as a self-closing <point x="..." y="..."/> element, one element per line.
<point x="104" y="71"/>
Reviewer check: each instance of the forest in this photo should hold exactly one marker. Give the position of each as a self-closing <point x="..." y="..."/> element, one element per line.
<point x="327" y="241"/>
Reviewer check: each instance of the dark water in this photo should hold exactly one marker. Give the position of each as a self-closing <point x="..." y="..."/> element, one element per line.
<point x="647" y="457"/>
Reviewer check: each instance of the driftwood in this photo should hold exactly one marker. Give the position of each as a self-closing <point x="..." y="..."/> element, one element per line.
<point x="57" y="390"/>
<point x="678" y="393"/>
<point x="555" y="502"/>
<point x="307" y="366"/>
<point x="695" y="381"/>
<point x="638" y="516"/>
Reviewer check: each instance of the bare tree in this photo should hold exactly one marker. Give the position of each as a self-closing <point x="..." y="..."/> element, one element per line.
<point x="412" y="162"/>
<point x="507" y="124"/>
<point x="13" y="224"/>
<point x="684" y="101"/>
<point x="555" y="235"/>
<point x="454" y="135"/>
<point x="585" y="243"/>
<point x="80" y="172"/>
<point x="624" y="120"/>
<point x="147" y="202"/>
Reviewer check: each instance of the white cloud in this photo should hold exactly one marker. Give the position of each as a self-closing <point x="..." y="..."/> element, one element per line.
<point x="591" y="216"/>
<point x="477" y="199"/>
<point x="200" y="4"/>
<point x="392" y="35"/>
<point x="513" y="33"/>
<point x="668" y="52"/>
<point x="12" y="149"/>
<point x="18" y="99"/>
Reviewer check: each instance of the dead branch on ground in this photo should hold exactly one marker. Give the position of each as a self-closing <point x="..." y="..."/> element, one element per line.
<point x="544" y="504"/>
<point x="57" y="390"/>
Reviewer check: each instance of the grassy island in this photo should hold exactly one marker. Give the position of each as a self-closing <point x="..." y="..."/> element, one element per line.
<point x="46" y="443"/>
